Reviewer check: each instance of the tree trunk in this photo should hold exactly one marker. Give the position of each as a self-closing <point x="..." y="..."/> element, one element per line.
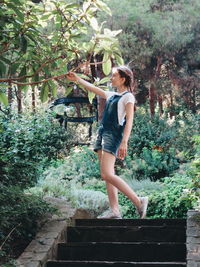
<point x="152" y="88"/>
<point x="152" y="98"/>
<point x="160" y="103"/>
<point x="19" y="99"/>
<point x="10" y="94"/>
<point x="171" y="113"/>
<point x="33" y="99"/>
<point x="193" y="93"/>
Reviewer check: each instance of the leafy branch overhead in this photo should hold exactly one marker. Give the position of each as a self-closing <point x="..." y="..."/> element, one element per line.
<point x="40" y="43"/>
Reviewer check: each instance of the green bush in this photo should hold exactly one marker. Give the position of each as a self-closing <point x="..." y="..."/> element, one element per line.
<point x="193" y="191"/>
<point x="167" y="199"/>
<point x="27" y="143"/>
<point x="19" y="215"/>
<point x="81" y="163"/>
<point x="157" y="145"/>
<point x="150" y="132"/>
<point x="188" y="126"/>
<point x="151" y="152"/>
<point x="153" y="164"/>
<point x="90" y="199"/>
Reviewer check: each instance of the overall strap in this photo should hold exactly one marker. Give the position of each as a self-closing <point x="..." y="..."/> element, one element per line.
<point x="125" y="93"/>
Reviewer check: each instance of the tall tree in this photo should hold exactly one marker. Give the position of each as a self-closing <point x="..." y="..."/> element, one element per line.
<point x="160" y="39"/>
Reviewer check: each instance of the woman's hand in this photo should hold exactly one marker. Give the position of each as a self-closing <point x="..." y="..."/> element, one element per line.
<point x="122" y="152"/>
<point x="72" y="76"/>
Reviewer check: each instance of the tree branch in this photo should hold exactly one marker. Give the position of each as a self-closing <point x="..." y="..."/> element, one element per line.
<point x="13" y="80"/>
<point x="9" y="235"/>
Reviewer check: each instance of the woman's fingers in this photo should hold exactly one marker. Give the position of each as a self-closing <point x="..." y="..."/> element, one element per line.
<point x="122" y="153"/>
<point x="71" y="76"/>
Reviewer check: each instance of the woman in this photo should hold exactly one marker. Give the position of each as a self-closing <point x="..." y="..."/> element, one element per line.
<point x="113" y="135"/>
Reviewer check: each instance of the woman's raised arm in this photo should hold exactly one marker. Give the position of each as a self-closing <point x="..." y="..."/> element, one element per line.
<point x="88" y="86"/>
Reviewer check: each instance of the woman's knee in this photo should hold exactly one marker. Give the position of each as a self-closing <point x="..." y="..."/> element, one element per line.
<point x="107" y="176"/>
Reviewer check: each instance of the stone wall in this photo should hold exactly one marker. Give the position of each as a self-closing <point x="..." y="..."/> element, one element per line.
<point x="193" y="238"/>
<point x="44" y="245"/>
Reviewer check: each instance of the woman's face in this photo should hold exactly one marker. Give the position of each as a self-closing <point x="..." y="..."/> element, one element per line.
<point x="116" y="79"/>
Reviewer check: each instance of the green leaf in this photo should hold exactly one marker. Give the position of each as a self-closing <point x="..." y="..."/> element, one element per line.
<point x="23" y="71"/>
<point x="19" y="14"/>
<point x="53" y="88"/>
<point x="23" y="43"/>
<point x="70" y="6"/>
<point x="46" y="16"/>
<point x="104" y="80"/>
<point x="107" y="65"/>
<point x="2" y="69"/>
<point x="17" y="2"/>
<point x="46" y="70"/>
<point x="3" y="99"/>
<point x="32" y="37"/>
<point x="119" y="59"/>
<point x="5" y="60"/>
<point x="44" y="92"/>
<point x="68" y="90"/>
<point x="91" y="96"/>
<point x="101" y="5"/>
<point x="105" y="37"/>
<point x="14" y="67"/>
<point x="83" y="76"/>
<point x="94" y="23"/>
<point x="85" y="6"/>
<point x="110" y="33"/>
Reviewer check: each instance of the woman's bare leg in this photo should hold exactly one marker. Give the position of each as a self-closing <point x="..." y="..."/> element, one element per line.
<point x="113" y="197"/>
<point x="111" y="190"/>
<point x="107" y="172"/>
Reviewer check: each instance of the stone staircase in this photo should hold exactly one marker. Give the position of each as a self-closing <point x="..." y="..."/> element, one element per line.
<point x="123" y="243"/>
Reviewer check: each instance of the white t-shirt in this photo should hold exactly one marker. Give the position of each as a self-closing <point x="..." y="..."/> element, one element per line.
<point x="125" y="99"/>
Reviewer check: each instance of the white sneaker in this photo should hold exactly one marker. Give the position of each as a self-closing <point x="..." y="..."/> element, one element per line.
<point x="143" y="208"/>
<point x="109" y="214"/>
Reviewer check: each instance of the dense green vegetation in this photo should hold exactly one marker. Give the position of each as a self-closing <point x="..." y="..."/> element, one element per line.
<point x="168" y="175"/>
<point x="39" y="42"/>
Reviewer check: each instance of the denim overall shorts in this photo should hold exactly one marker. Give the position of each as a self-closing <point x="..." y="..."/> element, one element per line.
<point x="110" y="132"/>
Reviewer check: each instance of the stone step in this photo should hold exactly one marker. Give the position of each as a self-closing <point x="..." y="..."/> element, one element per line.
<point x="117" y="251"/>
<point x="126" y="233"/>
<point x="129" y="222"/>
<point x="114" y="264"/>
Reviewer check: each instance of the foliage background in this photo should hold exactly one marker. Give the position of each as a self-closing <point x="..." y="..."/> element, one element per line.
<point x="39" y="43"/>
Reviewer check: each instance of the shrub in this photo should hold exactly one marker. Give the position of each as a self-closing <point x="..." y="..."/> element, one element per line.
<point x="95" y="201"/>
<point x="187" y="125"/>
<point x="151" y="152"/>
<point x="80" y="164"/>
<point x="152" y="164"/>
<point x="52" y="185"/>
<point x="193" y="192"/>
<point x="166" y="199"/>
<point x="157" y="146"/>
<point x="27" y="143"/>
<point x="150" y="132"/>
<point x="19" y="213"/>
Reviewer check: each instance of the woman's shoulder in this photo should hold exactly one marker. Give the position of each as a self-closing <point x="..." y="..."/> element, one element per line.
<point x="110" y="93"/>
<point x="128" y="97"/>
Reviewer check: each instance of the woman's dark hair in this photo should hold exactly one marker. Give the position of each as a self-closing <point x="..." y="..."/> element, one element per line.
<point x="126" y="72"/>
